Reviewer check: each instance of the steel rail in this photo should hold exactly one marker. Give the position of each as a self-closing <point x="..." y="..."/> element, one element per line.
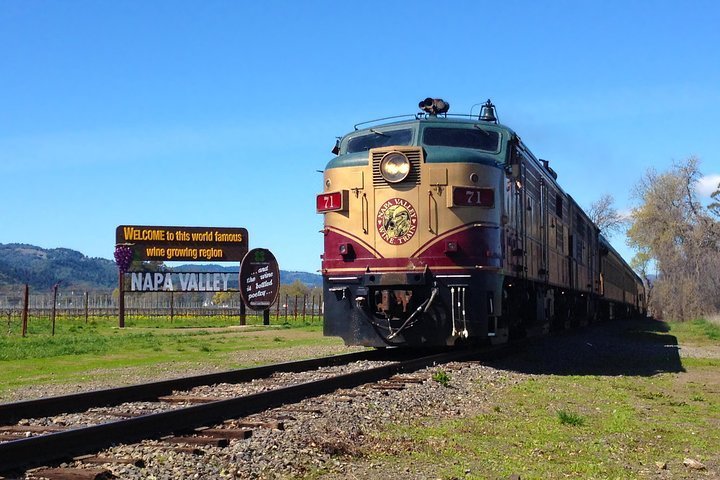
<point x="19" y="455"/>
<point x="78" y="402"/>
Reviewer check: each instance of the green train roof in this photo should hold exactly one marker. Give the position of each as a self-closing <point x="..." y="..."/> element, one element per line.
<point x="434" y="154"/>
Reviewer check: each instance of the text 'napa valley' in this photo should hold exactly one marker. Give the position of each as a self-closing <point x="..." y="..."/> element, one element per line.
<point x="179" y="282"/>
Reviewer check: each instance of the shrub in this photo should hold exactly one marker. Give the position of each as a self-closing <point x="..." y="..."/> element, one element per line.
<point x="442" y="378"/>
<point x="569" y="418"/>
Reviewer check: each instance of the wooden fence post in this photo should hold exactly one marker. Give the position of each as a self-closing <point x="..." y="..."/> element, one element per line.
<point x="287" y="304"/>
<point x="121" y="300"/>
<point x="277" y="309"/>
<point x="26" y="296"/>
<point x="87" y="306"/>
<point x="54" y="307"/>
<point x="295" y="312"/>
<point x="304" y="306"/>
<point x="242" y="313"/>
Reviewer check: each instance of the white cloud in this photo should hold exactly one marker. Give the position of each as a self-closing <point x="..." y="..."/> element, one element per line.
<point x="707" y="185"/>
<point x="626" y="213"/>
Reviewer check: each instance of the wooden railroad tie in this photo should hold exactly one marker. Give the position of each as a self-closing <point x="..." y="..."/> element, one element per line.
<point x="301" y="410"/>
<point x="228" y="433"/>
<point x="271" y="424"/>
<point x="72" y="473"/>
<point x="188" y="399"/>
<point x="388" y="386"/>
<point x="407" y="379"/>
<point x="206" y="441"/>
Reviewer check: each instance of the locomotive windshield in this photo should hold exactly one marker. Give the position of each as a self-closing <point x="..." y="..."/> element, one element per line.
<point x="377" y="139"/>
<point x="462" y="137"/>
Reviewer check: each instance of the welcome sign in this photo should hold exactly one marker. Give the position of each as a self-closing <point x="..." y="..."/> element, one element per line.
<point x="185" y="244"/>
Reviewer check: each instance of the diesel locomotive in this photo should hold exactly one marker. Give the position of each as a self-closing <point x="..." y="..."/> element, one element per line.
<point x="442" y="229"/>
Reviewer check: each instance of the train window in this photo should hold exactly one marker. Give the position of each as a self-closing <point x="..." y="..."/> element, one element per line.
<point x="363" y="143"/>
<point x="462" y="137"/>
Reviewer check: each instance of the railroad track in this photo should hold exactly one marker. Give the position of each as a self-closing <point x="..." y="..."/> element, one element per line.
<point x="189" y="424"/>
<point x="78" y="402"/>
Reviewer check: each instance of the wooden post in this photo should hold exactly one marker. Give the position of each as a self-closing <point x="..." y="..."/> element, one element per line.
<point x="172" y="305"/>
<point x="304" y="305"/>
<point x="54" y="307"/>
<point x="87" y="306"/>
<point x="277" y="309"/>
<point x="287" y="305"/>
<point x="266" y="316"/>
<point x="121" y="300"/>
<point x="26" y="296"/>
<point x="242" y="313"/>
<point x="312" y="308"/>
<point x="295" y="312"/>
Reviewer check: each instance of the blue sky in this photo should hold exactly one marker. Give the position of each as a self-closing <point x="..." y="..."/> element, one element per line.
<point x="220" y="113"/>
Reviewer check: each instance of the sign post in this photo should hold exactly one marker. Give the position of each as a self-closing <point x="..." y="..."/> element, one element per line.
<point x="259" y="281"/>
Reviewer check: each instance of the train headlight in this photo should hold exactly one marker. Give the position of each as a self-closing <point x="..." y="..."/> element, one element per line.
<point x="394" y="167"/>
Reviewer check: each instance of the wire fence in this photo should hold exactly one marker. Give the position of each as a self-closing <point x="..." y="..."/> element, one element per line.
<point x="190" y="308"/>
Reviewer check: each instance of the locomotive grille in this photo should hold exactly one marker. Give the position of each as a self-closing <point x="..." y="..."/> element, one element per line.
<point x="413" y="155"/>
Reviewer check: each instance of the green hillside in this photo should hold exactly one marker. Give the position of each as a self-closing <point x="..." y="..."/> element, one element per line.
<point x="42" y="268"/>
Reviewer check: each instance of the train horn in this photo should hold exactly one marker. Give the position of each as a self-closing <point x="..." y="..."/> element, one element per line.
<point x="434" y="106"/>
<point x="487" y="112"/>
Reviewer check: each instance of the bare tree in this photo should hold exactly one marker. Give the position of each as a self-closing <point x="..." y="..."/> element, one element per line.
<point x="604" y="214"/>
<point x="671" y="228"/>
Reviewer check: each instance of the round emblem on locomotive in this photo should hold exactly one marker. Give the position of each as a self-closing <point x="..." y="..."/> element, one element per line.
<point x="397" y="221"/>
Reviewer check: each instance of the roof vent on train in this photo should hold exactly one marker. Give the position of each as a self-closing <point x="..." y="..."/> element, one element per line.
<point x="487" y="112"/>
<point x="434" y="106"/>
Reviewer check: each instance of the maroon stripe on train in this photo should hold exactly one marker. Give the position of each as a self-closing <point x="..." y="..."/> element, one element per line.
<point x="476" y="246"/>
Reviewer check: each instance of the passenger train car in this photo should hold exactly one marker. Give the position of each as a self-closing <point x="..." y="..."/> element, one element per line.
<point x="443" y="229"/>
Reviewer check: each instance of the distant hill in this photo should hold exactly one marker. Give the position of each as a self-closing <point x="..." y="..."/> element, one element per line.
<point x="42" y="268"/>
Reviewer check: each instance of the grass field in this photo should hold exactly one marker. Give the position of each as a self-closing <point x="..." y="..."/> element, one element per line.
<point x="98" y="351"/>
<point x="598" y="426"/>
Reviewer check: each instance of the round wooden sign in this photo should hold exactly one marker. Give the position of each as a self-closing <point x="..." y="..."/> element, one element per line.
<point x="259" y="279"/>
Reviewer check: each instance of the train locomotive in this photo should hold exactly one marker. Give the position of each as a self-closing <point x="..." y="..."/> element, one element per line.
<point x="442" y="229"/>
